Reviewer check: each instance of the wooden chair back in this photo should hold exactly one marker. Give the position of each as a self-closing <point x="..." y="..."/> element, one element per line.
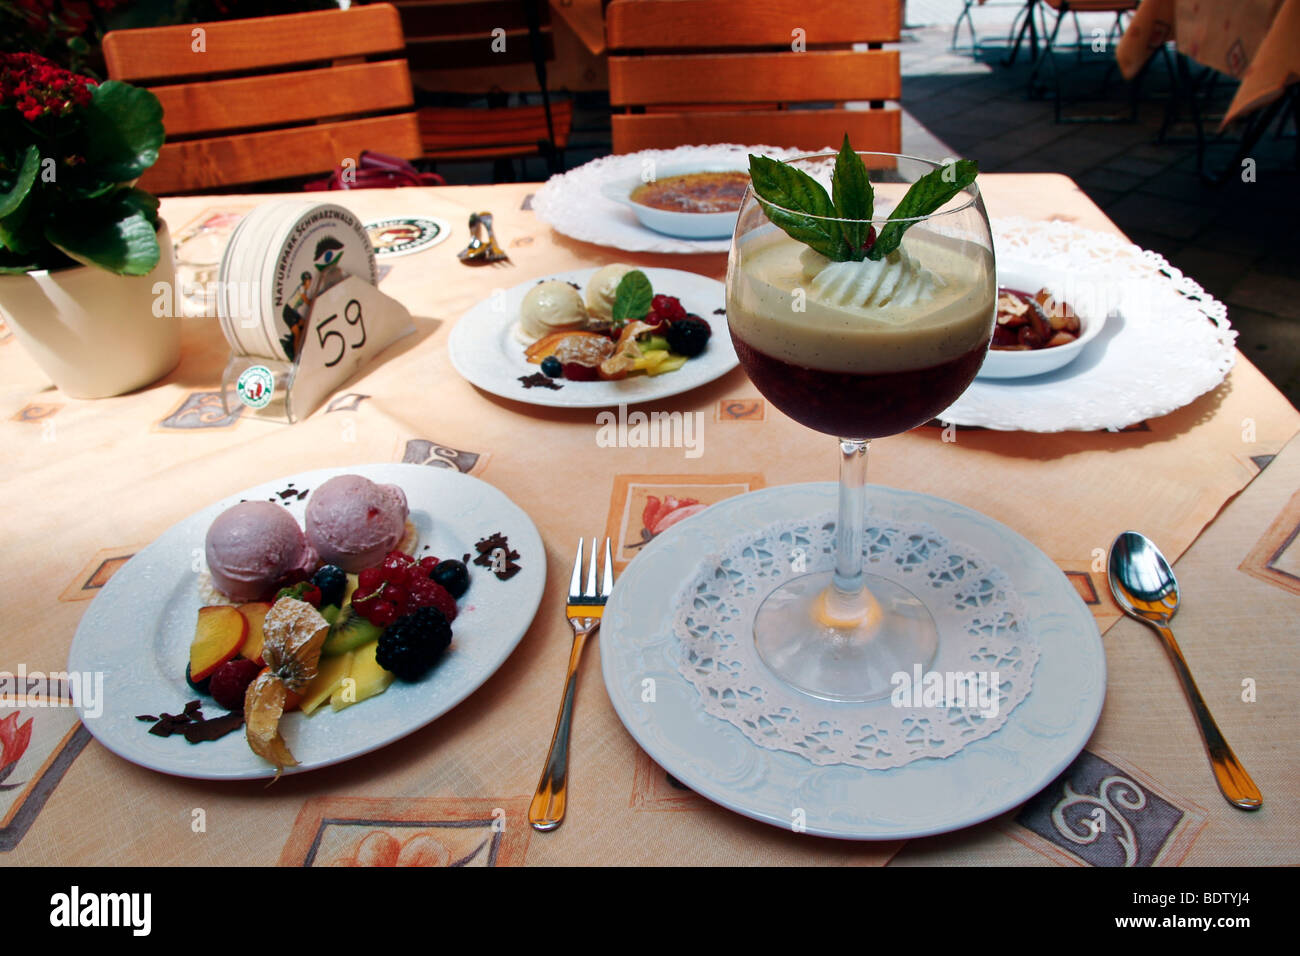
<point x="270" y="98"/>
<point x="758" y="72"/>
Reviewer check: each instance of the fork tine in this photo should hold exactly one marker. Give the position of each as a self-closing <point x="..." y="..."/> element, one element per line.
<point x="607" y="581"/>
<point x="575" y="582"/>
<point x="590" y="590"/>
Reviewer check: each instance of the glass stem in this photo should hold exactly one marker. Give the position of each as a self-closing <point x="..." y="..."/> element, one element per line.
<point x="846" y="599"/>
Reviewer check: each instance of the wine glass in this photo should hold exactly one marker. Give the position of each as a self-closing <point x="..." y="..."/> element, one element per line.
<point x="858" y="350"/>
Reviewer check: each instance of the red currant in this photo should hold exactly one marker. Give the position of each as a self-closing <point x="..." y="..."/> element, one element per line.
<point x="369" y="579"/>
<point x="382" y="613"/>
<point x="428" y="563"/>
<point x="398" y="595"/>
<point x="393" y="574"/>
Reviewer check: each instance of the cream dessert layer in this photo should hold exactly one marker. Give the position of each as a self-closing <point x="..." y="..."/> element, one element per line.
<point x="926" y="303"/>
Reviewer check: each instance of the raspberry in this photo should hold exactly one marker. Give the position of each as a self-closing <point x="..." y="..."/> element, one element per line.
<point x="667" y="307"/>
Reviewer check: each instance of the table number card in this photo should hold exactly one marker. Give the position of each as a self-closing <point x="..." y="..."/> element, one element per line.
<point x="295" y="340"/>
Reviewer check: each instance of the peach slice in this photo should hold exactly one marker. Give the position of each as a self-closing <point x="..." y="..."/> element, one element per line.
<point x="256" y="614"/>
<point x="218" y="636"/>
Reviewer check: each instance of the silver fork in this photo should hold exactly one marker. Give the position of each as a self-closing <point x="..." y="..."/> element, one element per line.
<point x="584" y="610"/>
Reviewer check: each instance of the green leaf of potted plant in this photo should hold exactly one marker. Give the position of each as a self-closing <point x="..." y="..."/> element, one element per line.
<point x="83" y="252"/>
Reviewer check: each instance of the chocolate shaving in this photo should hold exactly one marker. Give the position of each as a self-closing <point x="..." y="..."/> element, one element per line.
<point x="540" y="380"/>
<point x="147" y="717"/>
<point x="193" y="725"/>
<point x="488" y="546"/>
<point x="719" y="311"/>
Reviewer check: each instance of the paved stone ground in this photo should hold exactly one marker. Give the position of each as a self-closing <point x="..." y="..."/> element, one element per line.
<point x="1241" y="241"/>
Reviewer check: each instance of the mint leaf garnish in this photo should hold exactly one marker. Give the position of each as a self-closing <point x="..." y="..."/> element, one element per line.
<point x="632" y="298"/>
<point x="838" y="225"/>
<point x="926" y="195"/>
<point x="793" y="200"/>
<point x="854" y="199"/>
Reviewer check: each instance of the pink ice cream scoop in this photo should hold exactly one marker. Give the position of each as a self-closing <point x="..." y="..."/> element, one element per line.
<point x="256" y="547"/>
<point x="353" y="522"/>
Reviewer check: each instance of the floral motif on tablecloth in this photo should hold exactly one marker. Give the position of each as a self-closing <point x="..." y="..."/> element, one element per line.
<point x="422" y="451"/>
<point x="36" y="412"/>
<point x="96" y="572"/>
<point x="740" y="410"/>
<point x="201" y="410"/>
<point x="40" y="736"/>
<point x="345" y="403"/>
<point x="398" y="831"/>
<point x="644" y="506"/>
<point x="1276" y="556"/>
<point x="1101" y="812"/>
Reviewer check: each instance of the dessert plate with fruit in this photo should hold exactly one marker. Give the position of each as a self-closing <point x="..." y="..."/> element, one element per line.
<point x="592" y="338"/>
<point x="309" y="620"/>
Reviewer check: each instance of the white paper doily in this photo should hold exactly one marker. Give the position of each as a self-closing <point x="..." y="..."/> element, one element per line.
<point x="1166" y="343"/>
<point x="980" y="618"/>
<point x="572" y="202"/>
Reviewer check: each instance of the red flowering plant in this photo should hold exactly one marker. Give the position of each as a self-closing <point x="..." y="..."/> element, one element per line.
<point x="70" y="151"/>
<point x="13" y="744"/>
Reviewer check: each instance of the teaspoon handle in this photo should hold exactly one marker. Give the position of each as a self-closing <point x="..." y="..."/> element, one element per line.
<point x="1231" y="776"/>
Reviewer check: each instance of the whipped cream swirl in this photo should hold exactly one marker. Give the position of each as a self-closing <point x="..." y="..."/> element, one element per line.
<point x="891" y="287"/>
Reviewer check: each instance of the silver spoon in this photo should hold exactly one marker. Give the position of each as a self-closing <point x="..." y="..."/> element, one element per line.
<point x="1145" y="588"/>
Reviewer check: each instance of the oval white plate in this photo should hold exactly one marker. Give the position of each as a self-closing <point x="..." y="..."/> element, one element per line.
<point x="1091" y="298"/>
<point x="138" y="631"/>
<point x="484" y="350"/>
<point x="1039" y="740"/>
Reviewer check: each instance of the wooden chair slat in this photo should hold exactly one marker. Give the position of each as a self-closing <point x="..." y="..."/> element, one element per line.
<point x="257" y="43"/>
<point x="285" y="98"/>
<point x="755" y="77"/>
<point x="811" y="130"/>
<point x="278" y="154"/>
<point x="444" y="128"/>
<point x="659" y="24"/>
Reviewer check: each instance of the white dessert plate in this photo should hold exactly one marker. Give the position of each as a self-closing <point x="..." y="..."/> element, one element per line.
<point x="1041" y="737"/>
<point x="685" y="225"/>
<point x="576" y="203"/>
<point x="483" y="348"/>
<point x="1165" y="343"/>
<point x="138" y="631"/>
<point x="1091" y="299"/>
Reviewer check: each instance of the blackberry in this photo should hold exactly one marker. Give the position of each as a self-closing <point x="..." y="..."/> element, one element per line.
<point x="412" y="644"/>
<point x="689" y="336"/>
<point x="331" y="579"/>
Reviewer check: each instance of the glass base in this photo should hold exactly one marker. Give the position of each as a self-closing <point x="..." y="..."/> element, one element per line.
<point x="843" y="660"/>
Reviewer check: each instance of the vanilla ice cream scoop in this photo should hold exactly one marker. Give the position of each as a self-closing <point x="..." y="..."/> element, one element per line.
<point x="353" y="522"/>
<point x="255" y="548"/>
<point x="603" y="287"/>
<point x="550" y="306"/>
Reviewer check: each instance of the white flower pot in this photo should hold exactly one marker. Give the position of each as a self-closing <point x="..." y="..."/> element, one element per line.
<point x="95" y="333"/>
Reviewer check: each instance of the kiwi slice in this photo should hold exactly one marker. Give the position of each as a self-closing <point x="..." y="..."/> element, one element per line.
<point x="349" y="632"/>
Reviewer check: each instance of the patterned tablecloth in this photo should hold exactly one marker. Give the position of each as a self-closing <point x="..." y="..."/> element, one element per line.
<point x="1254" y="41"/>
<point x="86" y="484"/>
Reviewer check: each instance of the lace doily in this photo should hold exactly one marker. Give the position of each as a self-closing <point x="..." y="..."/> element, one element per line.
<point x="1166" y="343"/>
<point x="980" y="618"/>
<point x="572" y="203"/>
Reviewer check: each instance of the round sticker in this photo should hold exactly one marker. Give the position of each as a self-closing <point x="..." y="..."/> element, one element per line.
<point x="401" y="237"/>
<point x="256" y="385"/>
